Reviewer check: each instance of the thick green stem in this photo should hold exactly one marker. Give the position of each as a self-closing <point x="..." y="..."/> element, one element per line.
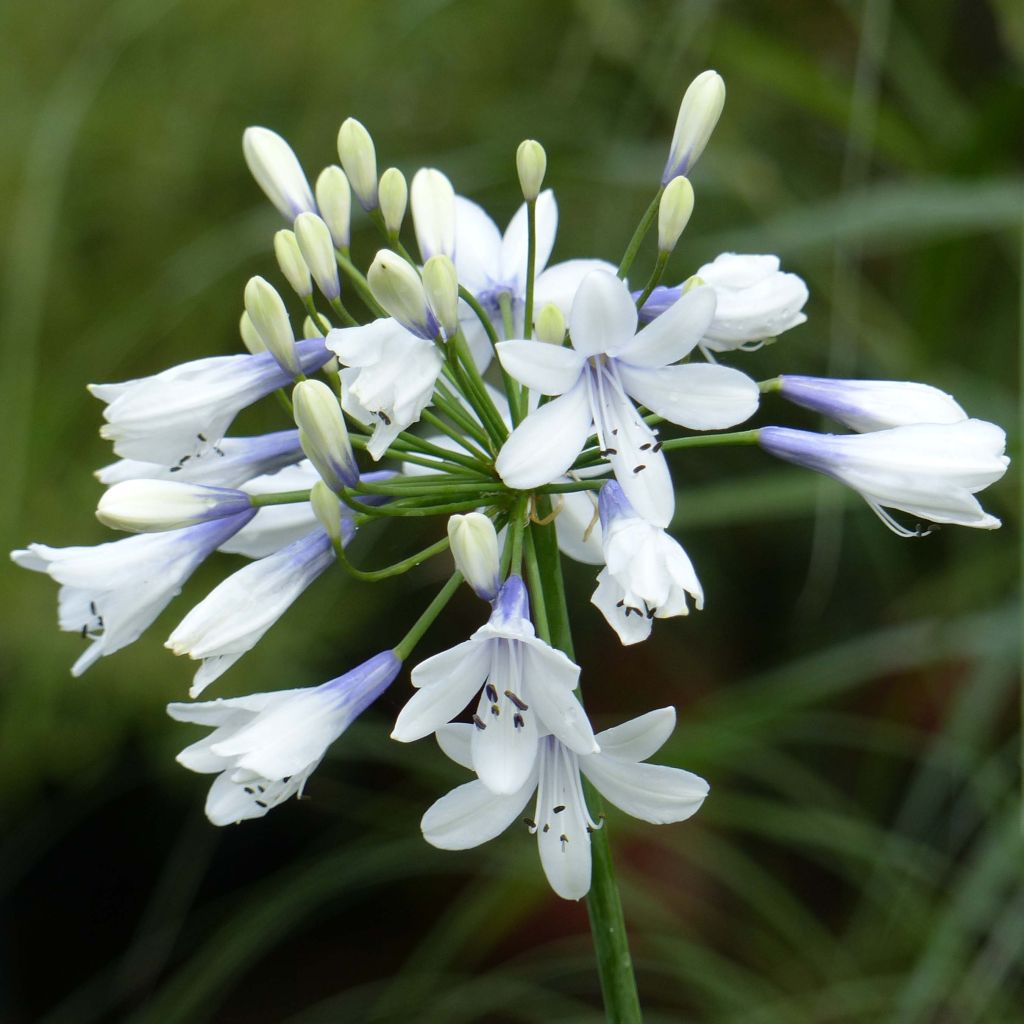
<point x="426" y="620"/>
<point x="531" y="265"/>
<point x="641" y="231"/>
<point x="710" y="440"/>
<point x="373" y="575"/>
<point x="607" y="922"/>
<point x="281" y="498"/>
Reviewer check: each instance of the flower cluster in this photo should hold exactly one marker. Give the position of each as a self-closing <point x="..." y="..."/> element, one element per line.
<point x="531" y="406"/>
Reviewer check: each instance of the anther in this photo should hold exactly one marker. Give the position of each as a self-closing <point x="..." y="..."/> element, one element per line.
<point x="558" y="809"/>
<point x="658" y="446"/>
<point x="518" y="701"/>
<point x="92" y="607"/>
<point x="517" y="721"/>
<point x="478" y="722"/>
<point x="644" y="447"/>
<point x="260" y="803"/>
<point x="530" y="824"/>
<point x="637" y="469"/>
<point x="605" y="452"/>
<point x="563" y="839"/>
<point x="384" y="418"/>
<point x="495" y="710"/>
<point x="546" y="828"/>
<point x="202" y="437"/>
<point x="492" y="693"/>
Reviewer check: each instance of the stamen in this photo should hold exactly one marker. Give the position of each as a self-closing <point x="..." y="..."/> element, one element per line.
<point x="478" y="722"/>
<point x="518" y="701"/>
<point x="518" y="721"/>
<point x="492" y="693"/>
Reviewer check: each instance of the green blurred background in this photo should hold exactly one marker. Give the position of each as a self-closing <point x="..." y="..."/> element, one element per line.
<point x="852" y="697"/>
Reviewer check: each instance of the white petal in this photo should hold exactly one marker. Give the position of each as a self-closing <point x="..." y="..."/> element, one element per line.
<point x="455" y="740"/>
<point x="477" y="246"/>
<point x="675" y="333"/>
<point x="547" y="442"/>
<point x="549" y="369"/>
<point x="603" y="316"/>
<point x="448" y="682"/>
<point x="701" y="396"/>
<point x="578" y="515"/>
<point x="558" y="284"/>
<point x="631" y="628"/>
<point x="639" y="738"/>
<point x="472" y="814"/>
<point x="650" y="792"/>
<point x="513" y="245"/>
<point x="549" y="678"/>
<point x="503" y="752"/>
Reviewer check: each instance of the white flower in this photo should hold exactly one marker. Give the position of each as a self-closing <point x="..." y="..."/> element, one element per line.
<point x="228" y="464"/>
<point x="111" y="593"/>
<point x="526" y="690"/>
<point x="391" y="377"/>
<point x="151" y="506"/>
<point x="472" y="814"/>
<point x="277" y="171"/>
<point x="608" y="364"/>
<point x="474" y="546"/>
<point x="264" y="747"/>
<point x="927" y="470"/>
<point x="698" y="114"/>
<point x="184" y="411"/>
<point x="236" y="614"/>
<point x="647" y="575"/>
<point x="866" y="405"/>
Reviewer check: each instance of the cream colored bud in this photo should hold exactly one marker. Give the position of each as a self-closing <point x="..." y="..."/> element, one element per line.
<point x="398" y="288"/>
<point x="334" y="197"/>
<point x="277" y="171"/>
<point x="293" y="266"/>
<point x="531" y="163"/>
<point x="310" y="329"/>
<point x="150" y="506"/>
<point x="323" y="434"/>
<point x="549" y="325"/>
<point x="475" y="550"/>
<point x="270" y="318"/>
<point x="433" y="213"/>
<point x="393" y="196"/>
<point x="441" y="284"/>
<point x="698" y="114"/>
<point x="674" y="212"/>
<point x="359" y="158"/>
<point x="327" y="509"/>
<point x="250" y="336"/>
<point x="317" y="247"/>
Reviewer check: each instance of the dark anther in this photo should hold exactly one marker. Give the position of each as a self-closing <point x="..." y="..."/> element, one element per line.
<point x="219" y="451"/>
<point x="495" y="710"/>
<point x="563" y="839"/>
<point x="615" y="432"/>
<point x="530" y="823"/>
<point x="250" y="790"/>
<point x="202" y="437"/>
<point x="260" y="803"/>
<point x="518" y="701"/>
<point x="492" y="693"/>
<point x="517" y="720"/>
<point x="85" y="632"/>
<point x="637" y="469"/>
<point x="605" y="452"/>
<point x="174" y="469"/>
<point x="620" y="604"/>
<point x="384" y="418"/>
<point x="658" y="446"/>
<point x="478" y="722"/>
<point x="558" y="809"/>
<point x="650" y="611"/>
<point x="644" y="447"/>
<point x="92" y="607"/>
<point x="546" y="828"/>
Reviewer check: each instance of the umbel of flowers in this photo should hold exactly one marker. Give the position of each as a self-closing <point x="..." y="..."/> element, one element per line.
<point x="533" y="409"/>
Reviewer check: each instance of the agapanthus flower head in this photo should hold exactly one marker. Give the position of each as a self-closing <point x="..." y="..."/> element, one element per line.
<point x="265" y="746"/>
<point x="472" y="814"/>
<point x="277" y="171"/>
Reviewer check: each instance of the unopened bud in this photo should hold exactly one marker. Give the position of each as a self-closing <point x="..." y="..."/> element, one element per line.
<point x="531" y="163"/>
<point x="277" y="171"/>
<point x="433" y="213"/>
<point x="327" y="509"/>
<point x="393" y="197"/>
<point x="151" y="506"/>
<point x="250" y="336"/>
<point x="270" y="318"/>
<point x="334" y="197"/>
<point x="674" y="212"/>
<point x="549" y="325"/>
<point x="310" y="329"/>
<point x="293" y="266"/>
<point x="441" y="285"/>
<point x="475" y="550"/>
<point x="398" y="288"/>
<point x="314" y="238"/>
<point x="323" y="434"/>
<point x="359" y="158"/>
<point x="698" y="114"/>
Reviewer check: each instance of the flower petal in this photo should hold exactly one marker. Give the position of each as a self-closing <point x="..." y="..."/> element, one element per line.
<point x="603" y="316"/>
<point x="471" y="814"/>
<point x="514" y="244"/>
<point x="477" y="246"/>
<point x="549" y="369"/>
<point x="639" y="738"/>
<point x="674" y="334"/>
<point x="558" y="284"/>
<point x="547" y="442"/>
<point x="577" y="517"/>
<point x="455" y="741"/>
<point x="650" y="792"/>
<point x="631" y="627"/>
<point x="701" y="396"/>
<point x="550" y="678"/>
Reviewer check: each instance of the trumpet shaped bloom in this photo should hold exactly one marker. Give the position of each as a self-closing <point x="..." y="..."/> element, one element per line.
<point x="184" y="411"/>
<point x="526" y="691"/>
<point x="647" y="573"/>
<point x="927" y="470"/>
<point x="472" y="814"/>
<point x="111" y="593"/>
<point x="265" y="746"/>
<point x="608" y="367"/>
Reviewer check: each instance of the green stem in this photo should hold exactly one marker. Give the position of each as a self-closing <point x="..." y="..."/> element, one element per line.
<point x="531" y="265"/>
<point x="476" y="391"/>
<point x="362" y="286"/>
<point x="517" y="397"/>
<point x="766" y="386"/>
<point x="404" y="648"/>
<point x="652" y="281"/>
<point x="281" y="498"/>
<point x="346" y="317"/>
<point x="396" y="569"/>
<point x="316" y="316"/>
<point x="456" y="410"/>
<point x="413" y="509"/>
<point x="476" y="457"/>
<point x="641" y="231"/>
<point x="709" y="440"/>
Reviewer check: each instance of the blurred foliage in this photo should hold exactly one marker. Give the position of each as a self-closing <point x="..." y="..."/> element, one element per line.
<point x="851" y="696"/>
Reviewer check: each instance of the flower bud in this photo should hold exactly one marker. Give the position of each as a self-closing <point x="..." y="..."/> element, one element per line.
<point x="549" y="325"/>
<point x="323" y="434"/>
<point x="531" y="163"/>
<point x="393" y="197"/>
<point x="698" y="114"/>
<point x="674" y="212"/>
<point x="398" y="288"/>
<point x="317" y="246"/>
<point x="277" y="171"/>
<point x="310" y="329"/>
<point x="266" y="310"/>
<point x="327" y="509"/>
<point x="250" y="336"/>
<point x="475" y="549"/>
<point x="441" y="284"/>
<point x="359" y="158"/>
<point x="433" y="213"/>
<point x="293" y="266"/>
<point x="150" y="506"/>
<point x="334" y="197"/>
